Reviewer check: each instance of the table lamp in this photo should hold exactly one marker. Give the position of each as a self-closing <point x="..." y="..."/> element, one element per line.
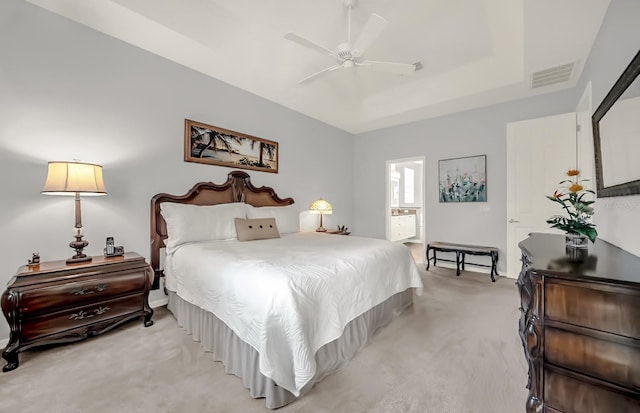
<point x="75" y="178"/>
<point x="321" y="207"/>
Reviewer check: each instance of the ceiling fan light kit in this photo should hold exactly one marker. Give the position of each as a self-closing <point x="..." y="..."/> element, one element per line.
<point x="350" y="55"/>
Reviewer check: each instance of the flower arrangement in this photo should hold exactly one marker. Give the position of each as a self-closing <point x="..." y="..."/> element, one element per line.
<point x="574" y="201"/>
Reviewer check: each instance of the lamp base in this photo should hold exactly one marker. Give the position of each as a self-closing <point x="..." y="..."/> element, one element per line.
<point x="78" y="245"/>
<point x="78" y="258"/>
<point x="321" y="229"/>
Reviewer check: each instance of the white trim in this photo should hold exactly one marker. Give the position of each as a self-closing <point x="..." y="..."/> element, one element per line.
<point x="159" y="302"/>
<point x="476" y="268"/>
<point x="452" y="266"/>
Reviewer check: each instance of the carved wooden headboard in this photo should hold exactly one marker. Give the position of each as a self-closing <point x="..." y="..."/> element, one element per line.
<point x="237" y="188"/>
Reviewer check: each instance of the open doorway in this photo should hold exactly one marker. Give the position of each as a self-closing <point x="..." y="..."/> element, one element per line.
<point x="405" y="211"/>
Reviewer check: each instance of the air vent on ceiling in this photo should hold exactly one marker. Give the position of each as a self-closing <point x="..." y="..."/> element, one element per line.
<point x="552" y="75"/>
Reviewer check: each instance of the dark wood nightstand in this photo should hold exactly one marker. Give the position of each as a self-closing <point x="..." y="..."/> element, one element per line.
<point x="55" y="302"/>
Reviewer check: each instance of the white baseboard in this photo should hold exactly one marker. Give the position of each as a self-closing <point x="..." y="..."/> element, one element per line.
<point x="451" y="265"/>
<point x="159" y="302"/>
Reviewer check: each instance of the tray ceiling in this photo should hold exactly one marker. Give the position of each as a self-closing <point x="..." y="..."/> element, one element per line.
<point x="473" y="53"/>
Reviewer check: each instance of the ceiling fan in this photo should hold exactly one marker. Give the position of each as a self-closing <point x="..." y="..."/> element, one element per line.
<point x="350" y="55"/>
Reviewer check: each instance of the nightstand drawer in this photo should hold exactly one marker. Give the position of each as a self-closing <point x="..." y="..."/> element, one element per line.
<point x="607" y="360"/>
<point x="81" y="316"/>
<point x="609" y="309"/>
<point x="91" y="289"/>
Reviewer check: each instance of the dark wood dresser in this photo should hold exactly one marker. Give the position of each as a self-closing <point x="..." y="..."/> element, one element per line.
<point x="580" y="327"/>
<point x="56" y="302"/>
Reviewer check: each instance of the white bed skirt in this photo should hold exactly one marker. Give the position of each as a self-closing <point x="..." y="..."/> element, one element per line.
<point x="242" y="360"/>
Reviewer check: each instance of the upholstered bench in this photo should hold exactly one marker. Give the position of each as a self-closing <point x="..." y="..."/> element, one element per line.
<point x="461" y="250"/>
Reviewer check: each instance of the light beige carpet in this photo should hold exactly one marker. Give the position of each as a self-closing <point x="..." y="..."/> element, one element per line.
<point x="457" y="350"/>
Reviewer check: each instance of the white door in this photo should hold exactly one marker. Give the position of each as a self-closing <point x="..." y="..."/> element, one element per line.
<point x="539" y="152"/>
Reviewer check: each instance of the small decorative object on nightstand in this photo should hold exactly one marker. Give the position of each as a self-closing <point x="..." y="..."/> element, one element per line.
<point x="342" y="230"/>
<point x="35" y="259"/>
<point x="56" y="302"/>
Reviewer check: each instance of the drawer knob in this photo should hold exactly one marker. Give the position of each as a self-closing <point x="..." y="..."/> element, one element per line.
<point x="88" y="314"/>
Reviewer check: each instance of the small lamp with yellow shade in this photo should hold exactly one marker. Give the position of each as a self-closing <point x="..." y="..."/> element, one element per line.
<point x="75" y="178"/>
<point x="321" y="207"/>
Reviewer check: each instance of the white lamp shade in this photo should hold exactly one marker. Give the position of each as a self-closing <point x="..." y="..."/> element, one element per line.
<point x="69" y="178"/>
<point x="321" y="206"/>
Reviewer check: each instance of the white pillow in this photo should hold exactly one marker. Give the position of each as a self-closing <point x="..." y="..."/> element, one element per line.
<point x="189" y="223"/>
<point x="287" y="217"/>
<point x="257" y="228"/>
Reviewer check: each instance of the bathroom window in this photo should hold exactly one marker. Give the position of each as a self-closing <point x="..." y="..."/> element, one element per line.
<point x="409" y="186"/>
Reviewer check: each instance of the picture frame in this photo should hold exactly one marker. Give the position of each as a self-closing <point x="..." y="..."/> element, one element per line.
<point x="615" y="136"/>
<point x="463" y="179"/>
<point x="213" y="145"/>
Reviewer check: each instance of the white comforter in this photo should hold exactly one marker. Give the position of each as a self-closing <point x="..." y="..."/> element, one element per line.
<point x="289" y="296"/>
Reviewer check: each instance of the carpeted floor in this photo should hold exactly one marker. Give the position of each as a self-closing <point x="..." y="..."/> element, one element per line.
<point x="457" y="350"/>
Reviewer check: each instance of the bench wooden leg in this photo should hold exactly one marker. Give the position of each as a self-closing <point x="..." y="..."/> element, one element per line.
<point x="458" y="262"/>
<point x="494" y="264"/>
<point x="435" y="259"/>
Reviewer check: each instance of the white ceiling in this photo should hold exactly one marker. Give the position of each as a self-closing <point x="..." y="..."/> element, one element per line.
<point x="474" y="52"/>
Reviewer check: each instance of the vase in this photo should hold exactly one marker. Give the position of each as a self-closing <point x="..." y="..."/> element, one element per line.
<point x="576" y="240"/>
<point x="576" y="247"/>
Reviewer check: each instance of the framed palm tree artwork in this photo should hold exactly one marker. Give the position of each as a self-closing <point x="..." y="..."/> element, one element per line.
<point x="217" y="146"/>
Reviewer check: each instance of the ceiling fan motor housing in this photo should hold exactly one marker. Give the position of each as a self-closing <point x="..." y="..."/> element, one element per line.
<point x="344" y="52"/>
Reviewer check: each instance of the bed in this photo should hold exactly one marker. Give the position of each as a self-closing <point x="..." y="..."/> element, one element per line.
<point x="280" y="308"/>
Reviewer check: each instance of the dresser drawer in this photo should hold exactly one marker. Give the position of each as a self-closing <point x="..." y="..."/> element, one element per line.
<point x="68" y="319"/>
<point x="90" y="289"/>
<point x="609" y="309"/>
<point x="611" y="361"/>
<point x="569" y="395"/>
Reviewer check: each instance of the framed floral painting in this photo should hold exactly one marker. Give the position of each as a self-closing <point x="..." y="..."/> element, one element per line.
<point x="463" y="179"/>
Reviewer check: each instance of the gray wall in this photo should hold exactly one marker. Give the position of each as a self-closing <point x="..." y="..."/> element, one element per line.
<point x="476" y="132"/>
<point x="617" y="219"/>
<point x="483" y="131"/>
<point x="70" y="92"/>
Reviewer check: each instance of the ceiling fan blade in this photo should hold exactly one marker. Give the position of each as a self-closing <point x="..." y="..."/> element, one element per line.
<point x="375" y="25"/>
<point x="309" y="44"/>
<point x="388" y="67"/>
<point x="318" y="74"/>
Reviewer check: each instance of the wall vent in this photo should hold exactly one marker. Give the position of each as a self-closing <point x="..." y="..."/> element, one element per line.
<point x="552" y="75"/>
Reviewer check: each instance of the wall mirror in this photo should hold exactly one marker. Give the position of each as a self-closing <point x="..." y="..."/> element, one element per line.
<point x="616" y="134"/>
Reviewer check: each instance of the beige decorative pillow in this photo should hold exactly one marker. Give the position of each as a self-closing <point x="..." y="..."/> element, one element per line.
<point x="253" y="229"/>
